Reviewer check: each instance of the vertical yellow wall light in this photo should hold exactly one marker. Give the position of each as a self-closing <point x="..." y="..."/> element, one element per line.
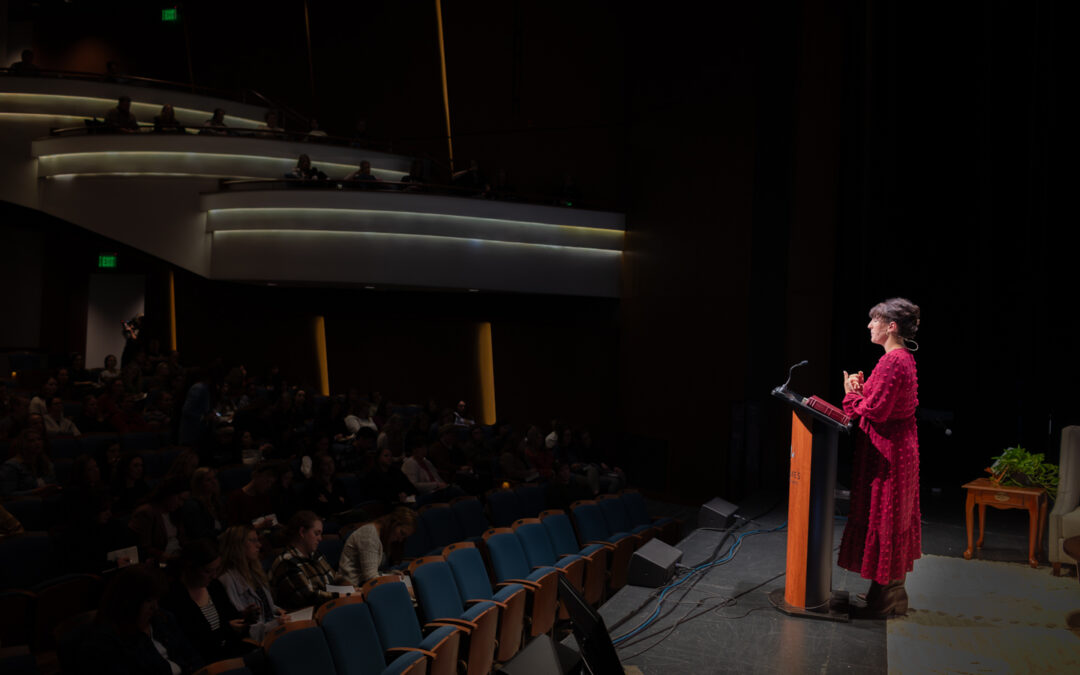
<point x="320" y="354"/>
<point x="485" y="373"/>
<point x="172" y="312"/>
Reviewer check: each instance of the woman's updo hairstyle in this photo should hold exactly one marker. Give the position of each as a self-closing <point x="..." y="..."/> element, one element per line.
<point x="901" y="310"/>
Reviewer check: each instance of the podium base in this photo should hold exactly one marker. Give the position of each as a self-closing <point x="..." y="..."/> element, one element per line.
<point x="839" y="608"/>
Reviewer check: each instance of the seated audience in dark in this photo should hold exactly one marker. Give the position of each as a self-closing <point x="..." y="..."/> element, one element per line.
<point x="565" y="488"/>
<point x="17" y="417"/>
<point x="363" y="173"/>
<point x="55" y="422"/>
<point x="157" y="534"/>
<point x="131" y="635"/>
<point x="129" y="486"/>
<point x="314" y="132"/>
<point x="29" y="471"/>
<point x="515" y="464"/>
<point x="284" y="499"/>
<point x="24" y="66"/>
<point x="109" y="402"/>
<point x="202" y="515"/>
<point x="158" y="413"/>
<point x="472" y="180"/>
<point x="114" y="73"/>
<point x="80" y="376"/>
<point x="415" y="178"/>
<point x="129" y="419"/>
<point x="194" y="421"/>
<point x="245" y="582"/>
<point x="250" y="504"/>
<point x="65" y="388"/>
<point x="305" y="171"/>
<point x="184" y="465"/>
<point x="386" y="483"/>
<point x="215" y="126"/>
<point x="9" y="524"/>
<point x="301" y="573"/>
<point x="39" y="405"/>
<point x="371" y="549"/>
<point x="269" y="128"/>
<point x="540" y="450"/>
<point x="110" y="372"/>
<point x="324" y="493"/>
<point x="108" y="456"/>
<point x="121" y="119"/>
<point x="91" y="420"/>
<point x="421" y="472"/>
<point x="202" y="607"/>
<point x="88" y="531"/>
<point x="166" y="121"/>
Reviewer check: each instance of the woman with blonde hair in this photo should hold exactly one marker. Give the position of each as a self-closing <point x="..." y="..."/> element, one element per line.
<point x="367" y="552"/>
<point x="245" y="581"/>
<point x="203" y="513"/>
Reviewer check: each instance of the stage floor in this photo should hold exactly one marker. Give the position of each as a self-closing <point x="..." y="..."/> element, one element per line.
<point x="721" y="621"/>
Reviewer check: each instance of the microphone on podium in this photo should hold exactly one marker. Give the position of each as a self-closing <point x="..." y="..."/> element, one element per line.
<point x="782" y="389"/>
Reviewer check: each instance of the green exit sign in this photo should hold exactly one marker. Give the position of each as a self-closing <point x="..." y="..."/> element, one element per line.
<point x="170" y="15"/>
<point x="106" y="261"/>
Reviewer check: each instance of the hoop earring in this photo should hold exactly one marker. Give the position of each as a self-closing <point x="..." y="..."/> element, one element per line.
<point x="910" y="349"/>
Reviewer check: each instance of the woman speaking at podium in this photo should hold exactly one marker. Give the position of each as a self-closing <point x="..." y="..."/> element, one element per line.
<point x="883" y="535"/>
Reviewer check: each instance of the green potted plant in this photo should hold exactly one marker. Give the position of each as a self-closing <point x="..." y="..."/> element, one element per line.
<point x="1017" y="466"/>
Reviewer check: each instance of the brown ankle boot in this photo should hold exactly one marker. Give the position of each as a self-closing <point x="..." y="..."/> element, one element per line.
<point x="891" y="601"/>
<point x="871" y="595"/>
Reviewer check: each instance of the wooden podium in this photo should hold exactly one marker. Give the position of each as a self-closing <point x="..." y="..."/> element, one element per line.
<point x="812" y="481"/>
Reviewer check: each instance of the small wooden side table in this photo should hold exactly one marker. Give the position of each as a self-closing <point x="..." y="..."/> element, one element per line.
<point x="983" y="492"/>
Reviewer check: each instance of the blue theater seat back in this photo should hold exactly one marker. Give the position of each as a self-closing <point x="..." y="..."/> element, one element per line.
<point x="301" y="652"/>
<point x="470" y="516"/>
<point x="504" y="507"/>
<point x="441" y="524"/>
<point x="531" y="500"/>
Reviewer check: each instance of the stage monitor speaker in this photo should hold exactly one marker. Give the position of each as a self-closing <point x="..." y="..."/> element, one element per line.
<point x="716" y="513"/>
<point x="542" y="656"/>
<point x="653" y="564"/>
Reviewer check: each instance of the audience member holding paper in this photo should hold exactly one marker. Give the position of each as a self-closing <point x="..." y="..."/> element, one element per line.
<point x="300" y="575"/>
<point x="368" y="550"/>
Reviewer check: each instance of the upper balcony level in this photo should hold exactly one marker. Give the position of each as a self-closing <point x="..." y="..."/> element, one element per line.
<point x="218" y="205"/>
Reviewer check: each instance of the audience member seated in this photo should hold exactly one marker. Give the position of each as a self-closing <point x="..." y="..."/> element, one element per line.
<point x="130" y="418"/>
<point x="55" y="422"/>
<point x="588" y="462"/>
<point x="194" y="421"/>
<point x="363" y="173"/>
<point x="202" y="607"/>
<point x="24" y="66"/>
<point x="158" y="413"/>
<point x="461" y="418"/>
<point x="270" y="128"/>
<point x="371" y="549"/>
<point x="9" y="524"/>
<point x="421" y="472"/>
<point x="108" y="458"/>
<point x="157" y="534"/>
<point x="314" y="132"/>
<point x="565" y="488"/>
<point x="129" y="486"/>
<point x="447" y="456"/>
<point x="515" y="464"/>
<point x="80" y="376"/>
<point x="184" y="465"/>
<point x="17" y="417"/>
<point x="65" y="388"/>
<point x="245" y="582"/>
<point x="386" y="483"/>
<point x="301" y="573"/>
<point x="283" y="497"/>
<point x="111" y="401"/>
<point x="415" y="178"/>
<point x="120" y="119"/>
<point x="250" y="504"/>
<point x="90" y="419"/>
<point x="29" y="471"/>
<point x="39" y="405"/>
<point x="131" y="635"/>
<point x="166" y="121"/>
<point x="359" y="416"/>
<point x="201" y="516"/>
<point x="324" y="493"/>
<point x="305" y="171"/>
<point x="541" y="451"/>
<point x="215" y="126"/>
<point x="89" y="532"/>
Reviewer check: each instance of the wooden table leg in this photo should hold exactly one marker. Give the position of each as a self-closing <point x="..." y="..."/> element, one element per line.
<point x="969" y="516"/>
<point x="982" y="525"/>
<point x="1033" y="529"/>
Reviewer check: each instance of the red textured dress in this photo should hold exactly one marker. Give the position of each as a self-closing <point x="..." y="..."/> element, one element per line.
<point x="883" y="536"/>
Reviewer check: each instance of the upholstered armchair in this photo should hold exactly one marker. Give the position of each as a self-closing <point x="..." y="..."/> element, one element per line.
<point x="1065" y="518"/>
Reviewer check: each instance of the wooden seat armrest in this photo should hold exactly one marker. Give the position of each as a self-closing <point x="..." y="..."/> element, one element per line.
<point x="524" y="582"/>
<point x="395" y="650"/>
<point x="252" y="642"/>
<point x="497" y="603"/>
<point x="606" y="544"/>
<point x="464" y="624"/>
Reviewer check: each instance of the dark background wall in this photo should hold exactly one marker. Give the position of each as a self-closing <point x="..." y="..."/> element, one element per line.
<point x="783" y="166"/>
